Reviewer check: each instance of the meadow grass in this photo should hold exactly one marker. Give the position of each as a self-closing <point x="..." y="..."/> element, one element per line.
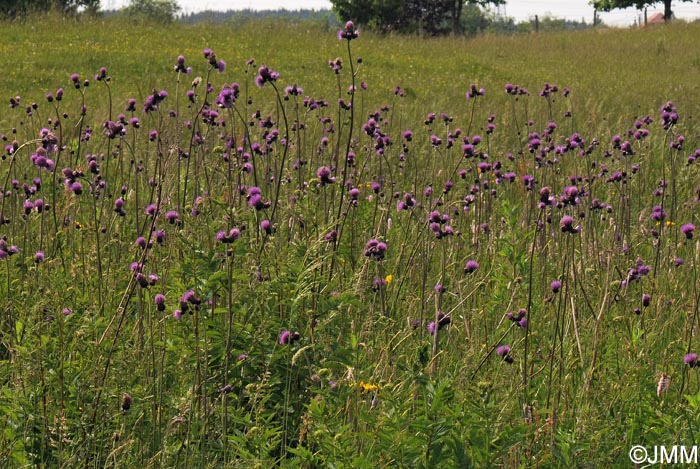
<point x="401" y="265"/>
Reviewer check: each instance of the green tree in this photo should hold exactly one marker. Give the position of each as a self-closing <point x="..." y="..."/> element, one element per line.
<point x="14" y="8"/>
<point x="161" y="11"/>
<point x="607" y="5"/>
<point x="429" y="16"/>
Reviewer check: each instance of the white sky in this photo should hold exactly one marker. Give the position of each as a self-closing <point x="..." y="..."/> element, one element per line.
<point x="518" y="9"/>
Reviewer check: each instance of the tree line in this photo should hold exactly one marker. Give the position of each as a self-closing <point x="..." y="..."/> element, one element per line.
<point x="434" y="17"/>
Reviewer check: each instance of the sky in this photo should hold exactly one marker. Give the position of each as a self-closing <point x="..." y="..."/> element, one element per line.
<point x="519" y="9"/>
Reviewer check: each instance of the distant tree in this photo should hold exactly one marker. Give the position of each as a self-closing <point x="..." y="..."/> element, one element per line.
<point x="474" y="20"/>
<point x="14" y="8"/>
<point x="430" y="16"/>
<point x="160" y="11"/>
<point x="607" y="5"/>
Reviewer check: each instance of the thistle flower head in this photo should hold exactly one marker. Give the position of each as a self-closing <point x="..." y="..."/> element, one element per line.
<point x="159" y="300"/>
<point x="375" y="249"/>
<point x="348" y="32"/>
<point x="503" y="351"/>
<point x="287" y="337"/>
<point x="555" y="286"/>
<point x="688" y="230"/>
<point x="470" y="266"/>
<point x="567" y="225"/>
<point x="265" y="75"/>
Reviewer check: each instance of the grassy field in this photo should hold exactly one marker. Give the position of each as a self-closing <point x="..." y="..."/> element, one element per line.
<point x="406" y="260"/>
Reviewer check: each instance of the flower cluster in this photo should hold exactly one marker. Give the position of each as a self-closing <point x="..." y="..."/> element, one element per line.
<point x="437" y="223"/>
<point x="265" y="75"/>
<point x="226" y="238"/>
<point x="375" y="249"/>
<point x="637" y="272"/>
<point x="219" y="65"/>
<point x="669" y="115"/>
<point x="153" y="100"/>
<point x="443" y="320"/>
<point x="475" y="92"/>
<point x="348" y="32"/>
<point x="189" y="298"/>
<point x="518" y="318"/>
<point x="227" y="96"/>
<point x="567" y="225"/>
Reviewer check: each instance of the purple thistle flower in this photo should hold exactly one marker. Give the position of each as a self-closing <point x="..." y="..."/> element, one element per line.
<point x="503" y="351"/>
<point x="470" y="266"/>
<point x="159" y="300"/>
<point x="189" y="297"/>
<point x="474" y="92"/>
<point x="658" y="213"/>
<point x="378" y="283"/>
<point x="691" y="359"/>
<point x="529" y="182"/>
<point x="288" y="338"/>
<point x="284" y="337"/>
<point x="265" y="75"/>
<point x="348" y="32"/>
<point x="375" y="249"/>
<point x="177" y="314"/>
<point x="556" y="286"/>
<point x="688" y="230"/>
<point x="431" y="328"/>
<point x="567" y="225"/>
<point x="172" y="216"/>
<point x="142" y="280"/>
<point x="266" y="226"/>
<point x="331" y="236"/>
<point x="180" y="65"/>
<point x="76" y="188"/>
<point x="228" y="96"/>
<point x="160" y="236"/>
<point x="39" y="257"/>
<point x="646" y="299"/>
<point x="443" y="320"/>
<point x="324" y="174"/>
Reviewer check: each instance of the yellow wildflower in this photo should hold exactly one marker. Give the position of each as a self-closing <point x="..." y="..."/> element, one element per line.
<point x="368" y="387"/>
<point x="389" y="278"/>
